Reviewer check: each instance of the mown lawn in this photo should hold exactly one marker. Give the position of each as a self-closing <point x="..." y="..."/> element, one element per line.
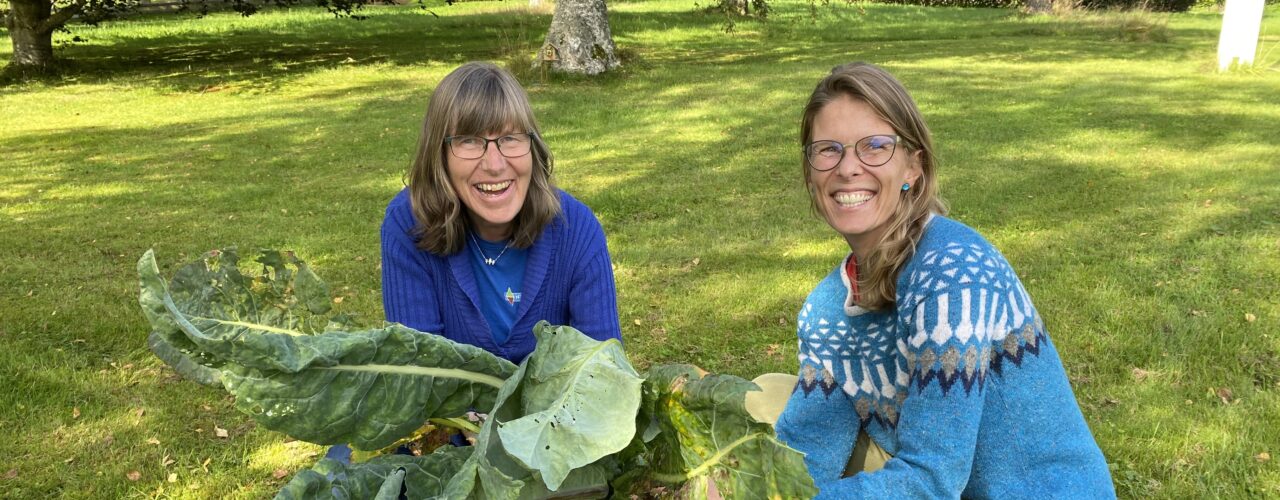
<point x="1135" y="190"/>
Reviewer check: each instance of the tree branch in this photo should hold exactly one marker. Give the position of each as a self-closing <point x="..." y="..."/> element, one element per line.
<point x="60" y="18"/>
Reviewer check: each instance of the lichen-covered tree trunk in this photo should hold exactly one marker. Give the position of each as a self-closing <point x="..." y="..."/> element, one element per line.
<point x="32" y="46"/>
<point x="579" y="40"/>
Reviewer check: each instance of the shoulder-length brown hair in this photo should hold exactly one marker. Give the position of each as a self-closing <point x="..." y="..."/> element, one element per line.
<point x="478" y="98"/>
<point x="878" y="271"/>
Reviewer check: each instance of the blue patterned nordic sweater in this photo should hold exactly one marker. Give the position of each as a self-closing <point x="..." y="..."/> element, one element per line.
<point x="957" y="381"/>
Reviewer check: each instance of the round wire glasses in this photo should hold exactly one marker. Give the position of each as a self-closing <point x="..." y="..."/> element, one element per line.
<point x="873" y="151"/>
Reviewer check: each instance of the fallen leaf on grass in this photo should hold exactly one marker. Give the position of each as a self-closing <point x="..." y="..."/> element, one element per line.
<point x="1139" y="374"/>
<point x="220" y="432"/>
<point x="152" y="440"/>
<point x="1250" y="317"/>
<point x="133" y="475"/>
<point x="279" y="473"/>
<point x="1262" y="457"/>
<point x="1225" y="395"/>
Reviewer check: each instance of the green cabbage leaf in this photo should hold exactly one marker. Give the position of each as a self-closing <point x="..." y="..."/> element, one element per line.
<point x="568" y="408"/>
<point x="699" y="432"/>
<point x="368" y="388"/>
<point x="384" y="476"/>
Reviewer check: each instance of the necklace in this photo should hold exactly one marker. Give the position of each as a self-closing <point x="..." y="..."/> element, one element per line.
<point x="486" y="258"/>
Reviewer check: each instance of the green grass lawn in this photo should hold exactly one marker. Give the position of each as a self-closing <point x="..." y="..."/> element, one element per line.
<point x="1135" y="190"/>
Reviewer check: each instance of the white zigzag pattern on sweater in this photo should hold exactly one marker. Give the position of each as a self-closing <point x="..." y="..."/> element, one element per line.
<point x="864" y="363"/>
<point x="1002" y="303"/>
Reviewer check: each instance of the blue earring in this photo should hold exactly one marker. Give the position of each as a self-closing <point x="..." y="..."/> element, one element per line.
<point x="906" y="186"/>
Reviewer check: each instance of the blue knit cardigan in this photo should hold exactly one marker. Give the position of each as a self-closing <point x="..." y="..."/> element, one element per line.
<point x="958" y="381"/>
<point x="568" y="281"/>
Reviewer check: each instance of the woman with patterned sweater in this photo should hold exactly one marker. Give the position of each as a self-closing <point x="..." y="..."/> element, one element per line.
<point x="922" y="346"/>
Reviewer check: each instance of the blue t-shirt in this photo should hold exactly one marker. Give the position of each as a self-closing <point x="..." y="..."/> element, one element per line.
<point x="500" y="284"/>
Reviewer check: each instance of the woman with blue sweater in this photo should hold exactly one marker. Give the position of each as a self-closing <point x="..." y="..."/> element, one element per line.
<point x="925" y="370"/>
<point x="481" y="244"/>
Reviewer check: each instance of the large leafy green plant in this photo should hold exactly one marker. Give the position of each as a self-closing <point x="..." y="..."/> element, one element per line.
<point x="565" y="423"/>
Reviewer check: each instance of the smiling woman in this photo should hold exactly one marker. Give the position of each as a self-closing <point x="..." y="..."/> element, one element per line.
<point x="925" y="370"/>
<point x="481" y="244"/>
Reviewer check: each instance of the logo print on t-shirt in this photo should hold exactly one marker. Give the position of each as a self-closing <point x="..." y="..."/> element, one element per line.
<point x="512" y="297"/>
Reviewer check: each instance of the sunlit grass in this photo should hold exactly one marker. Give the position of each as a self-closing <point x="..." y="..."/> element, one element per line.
<point x="1133" y="188"/>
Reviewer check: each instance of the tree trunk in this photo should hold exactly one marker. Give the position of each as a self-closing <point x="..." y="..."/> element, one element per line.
<point x="1039" y="6"/>
<point x="31" y="24"/>
<point x="579" y="40"/>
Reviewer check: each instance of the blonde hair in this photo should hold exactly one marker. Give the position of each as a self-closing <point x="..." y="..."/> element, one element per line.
<point x="475" y="99"/>
<point x="878" y="271"/>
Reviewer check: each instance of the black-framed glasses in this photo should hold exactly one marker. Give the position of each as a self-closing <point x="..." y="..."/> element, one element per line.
<point x="873" y="150"/>
<point x="470" y="147"/>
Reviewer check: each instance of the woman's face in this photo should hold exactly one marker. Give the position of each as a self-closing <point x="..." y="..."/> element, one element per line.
<point x="857" y="200"/>
<point x="492" y="187"/>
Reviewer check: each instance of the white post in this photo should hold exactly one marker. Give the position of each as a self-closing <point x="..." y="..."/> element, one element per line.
<point x="1241" y="23"/>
